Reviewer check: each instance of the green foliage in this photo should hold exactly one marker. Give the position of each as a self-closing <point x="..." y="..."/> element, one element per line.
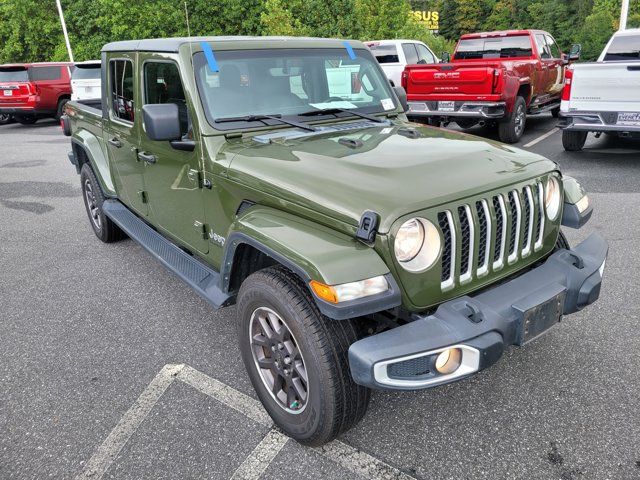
<point x="30" y="29"/>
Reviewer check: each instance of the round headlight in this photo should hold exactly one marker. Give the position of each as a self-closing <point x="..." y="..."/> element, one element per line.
<point x="409" y="240"/>
<point x="552" y="198"/>
<point x="417" y="244"/>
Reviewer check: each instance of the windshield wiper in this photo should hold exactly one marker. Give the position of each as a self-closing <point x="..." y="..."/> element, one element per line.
<point x="334" y="110"/>
<point x="257" y="118"/>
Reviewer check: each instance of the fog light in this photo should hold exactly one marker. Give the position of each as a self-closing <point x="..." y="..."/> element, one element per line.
<point x="448" y="361"/>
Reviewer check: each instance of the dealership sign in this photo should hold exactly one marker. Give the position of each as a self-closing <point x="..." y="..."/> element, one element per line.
<point x="429" y="18"/>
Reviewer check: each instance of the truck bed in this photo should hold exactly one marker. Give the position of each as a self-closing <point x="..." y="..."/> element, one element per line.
<point x="605" y="87"/>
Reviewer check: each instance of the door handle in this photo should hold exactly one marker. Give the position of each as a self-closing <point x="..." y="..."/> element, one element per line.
<point x="115" y="142"/>
<point x="147" y="157"/>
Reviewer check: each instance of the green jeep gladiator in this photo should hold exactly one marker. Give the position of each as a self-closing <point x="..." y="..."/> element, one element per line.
<point x="362" y="251"/>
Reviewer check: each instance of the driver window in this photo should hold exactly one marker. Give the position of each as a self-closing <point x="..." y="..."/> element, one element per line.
<point x="543" y="49"/>
<point x="553" y="47"/>
<point x="162" y="84"/>
<point x="424" y="55"/>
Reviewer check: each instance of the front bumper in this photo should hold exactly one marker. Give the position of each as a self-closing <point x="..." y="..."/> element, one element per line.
<point x="594" y="122"/>
<point x="480" y="110"/>
<point x="480" y="326"/>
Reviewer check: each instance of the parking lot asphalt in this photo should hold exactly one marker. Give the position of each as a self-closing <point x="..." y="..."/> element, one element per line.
<point x="88" y="332"/>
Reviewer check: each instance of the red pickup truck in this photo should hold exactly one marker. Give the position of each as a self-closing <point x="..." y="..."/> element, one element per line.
<point x="30" y="91"/>
<point x="492" y="78"/>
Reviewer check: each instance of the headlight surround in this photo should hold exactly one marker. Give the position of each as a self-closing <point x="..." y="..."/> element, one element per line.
<point x="552" y="199"/>
<point x="417" y="244"/>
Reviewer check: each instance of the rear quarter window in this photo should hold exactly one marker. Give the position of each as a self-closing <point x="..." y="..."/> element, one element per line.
<point x="385" y="53"/>
<point x="45" y="73"/>
<point x="624" y="48"/>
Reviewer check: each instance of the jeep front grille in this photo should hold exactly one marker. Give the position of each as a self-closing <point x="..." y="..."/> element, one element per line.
<point x="490" y="233"/>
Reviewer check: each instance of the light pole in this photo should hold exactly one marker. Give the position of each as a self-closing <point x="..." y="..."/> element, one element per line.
<point x="64" y="30"/>
<point x="624" y="13"/>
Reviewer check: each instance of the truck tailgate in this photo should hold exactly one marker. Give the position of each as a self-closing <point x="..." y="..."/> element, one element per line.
<point x="449" y="79"/>
<point x="607" y="86"/>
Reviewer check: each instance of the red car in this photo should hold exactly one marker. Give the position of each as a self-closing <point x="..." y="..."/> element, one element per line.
<point x="30" y="91"/>
<point x="495" y="77"/>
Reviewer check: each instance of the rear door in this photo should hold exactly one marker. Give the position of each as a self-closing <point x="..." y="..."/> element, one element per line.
<point x="173" y="180"/>
<point x="121" y="131"/>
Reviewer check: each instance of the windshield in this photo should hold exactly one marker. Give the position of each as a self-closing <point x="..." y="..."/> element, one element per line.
<point x="87" y="72"/>
<point x="16" y="74"/>
<point x="289" y="82"/>
<point x="384" y="53"/>
<point x="494" y="47"/>
<point x="623" y="48"/>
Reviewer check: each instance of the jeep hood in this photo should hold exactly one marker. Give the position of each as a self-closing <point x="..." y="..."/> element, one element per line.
<point x="384" y="169"/>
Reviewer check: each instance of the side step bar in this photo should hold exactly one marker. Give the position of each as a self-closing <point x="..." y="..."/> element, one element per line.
<point x="199" y="276"/>
<point x="545" y="108"/>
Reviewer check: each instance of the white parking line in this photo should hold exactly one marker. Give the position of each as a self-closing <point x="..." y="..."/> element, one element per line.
<point x="542" y="137"/>
<point x="129" y="423"/>
<point x="252" y="467"/>
<point x="261" y="456"/>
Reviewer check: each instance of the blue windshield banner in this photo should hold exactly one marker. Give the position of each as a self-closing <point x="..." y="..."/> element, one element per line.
<point x="352" y="54"/>
<point x="211" y="58"/>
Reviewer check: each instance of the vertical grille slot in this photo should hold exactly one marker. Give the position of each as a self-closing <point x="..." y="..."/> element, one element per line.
<point x="484" y="245"/>
<point x="529" y="210"/>
<point x="445" y="221"/>
<point x="501" y="231"/>
<point x="540" y="217"/>
<point x="467" y="230"/>
<point x="516" y="223"/>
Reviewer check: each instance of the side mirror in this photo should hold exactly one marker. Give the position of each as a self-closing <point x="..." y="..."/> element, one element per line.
<point x="402" y="96"/>
<point x="574" y="53"/>
<point x="162" y="121"/>
<point x="445" y="57"/>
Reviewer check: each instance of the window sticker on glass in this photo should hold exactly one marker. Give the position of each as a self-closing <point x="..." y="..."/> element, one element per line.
<point x="387" y="103"/>
<point x="336" y="104"/>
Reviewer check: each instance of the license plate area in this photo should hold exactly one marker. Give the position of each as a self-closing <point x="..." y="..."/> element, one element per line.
<point x="629" y="118"/>
<point x="536" y="319"/>
<point x="8" y="93"/>
<point x="447" y="106"/>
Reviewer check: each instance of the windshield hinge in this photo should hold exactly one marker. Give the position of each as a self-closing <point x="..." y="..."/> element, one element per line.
<point x="368" y="227"/>
<point x="233" y="135"/>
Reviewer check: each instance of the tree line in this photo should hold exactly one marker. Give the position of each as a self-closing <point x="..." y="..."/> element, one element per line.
<point x="30" y="29"/>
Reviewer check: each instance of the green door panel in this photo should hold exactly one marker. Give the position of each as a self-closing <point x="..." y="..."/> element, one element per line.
<point x="121" y="132"/>
<point x="322" y="253"/>
<point x="174" y="181"/>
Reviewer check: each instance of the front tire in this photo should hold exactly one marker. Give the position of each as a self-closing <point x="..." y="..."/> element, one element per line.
<point x="297" y="359"/>
<point x="103" y="227"/>
<point x="562" y="243"/>
<point x="511" y="130"/>
<point x="555" y="113"/>
<point x="573" y="141"/>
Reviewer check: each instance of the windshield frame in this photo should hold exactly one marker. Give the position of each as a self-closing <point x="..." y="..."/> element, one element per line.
<point x="199" y="58"/>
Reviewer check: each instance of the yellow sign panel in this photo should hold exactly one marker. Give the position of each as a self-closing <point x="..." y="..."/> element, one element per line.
<point x="429" y="18"/>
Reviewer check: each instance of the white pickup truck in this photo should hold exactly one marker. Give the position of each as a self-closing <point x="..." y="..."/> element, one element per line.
<point x="394" y="55"/>
<point x="603" y="96"/>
